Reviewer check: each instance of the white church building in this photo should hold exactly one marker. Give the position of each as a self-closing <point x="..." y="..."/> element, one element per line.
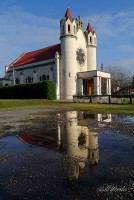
<point x="71" y="64"/>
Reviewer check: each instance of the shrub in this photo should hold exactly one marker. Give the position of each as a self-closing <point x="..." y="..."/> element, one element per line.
<point x="41" y="90"/>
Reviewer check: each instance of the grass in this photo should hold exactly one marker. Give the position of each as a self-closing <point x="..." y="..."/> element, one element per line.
<point x="9" y="104"/>
<point x="6" y="127"/>
<point x="58" y="105"/>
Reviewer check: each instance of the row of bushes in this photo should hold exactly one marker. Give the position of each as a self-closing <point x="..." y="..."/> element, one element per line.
<point x="41" y="90"/>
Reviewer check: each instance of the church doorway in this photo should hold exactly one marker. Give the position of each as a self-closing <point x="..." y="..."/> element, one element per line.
<point x="88" y="87"/>
<point x="103" y="86"/>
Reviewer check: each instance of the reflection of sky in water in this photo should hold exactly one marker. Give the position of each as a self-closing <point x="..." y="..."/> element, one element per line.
<point x="130" y="119"/>
<point x="11" y="144"/>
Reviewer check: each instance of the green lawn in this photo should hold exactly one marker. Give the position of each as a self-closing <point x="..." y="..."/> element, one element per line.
<point x="57" y="105"/>
<point x="12" y="104"/>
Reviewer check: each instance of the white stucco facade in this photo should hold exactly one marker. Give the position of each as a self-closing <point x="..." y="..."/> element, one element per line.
<point x="70" y="64"/>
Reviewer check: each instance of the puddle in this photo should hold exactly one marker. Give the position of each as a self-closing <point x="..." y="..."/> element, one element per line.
<point x="69" y="155"/>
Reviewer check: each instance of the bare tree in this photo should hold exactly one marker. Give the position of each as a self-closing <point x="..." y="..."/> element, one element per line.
<point x="133" y="82"/>
<point x="119" y="77"/>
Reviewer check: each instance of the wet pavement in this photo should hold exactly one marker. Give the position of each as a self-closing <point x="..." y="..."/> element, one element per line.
<point x="69" y="155"/>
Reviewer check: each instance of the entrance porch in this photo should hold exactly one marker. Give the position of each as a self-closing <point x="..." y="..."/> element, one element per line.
<point x="93" y="83"/>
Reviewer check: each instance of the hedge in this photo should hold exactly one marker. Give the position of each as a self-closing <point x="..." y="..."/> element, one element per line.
<point x="41" y="90"/>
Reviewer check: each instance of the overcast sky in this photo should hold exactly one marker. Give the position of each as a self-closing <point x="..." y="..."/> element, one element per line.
<point x="27" y="25"/>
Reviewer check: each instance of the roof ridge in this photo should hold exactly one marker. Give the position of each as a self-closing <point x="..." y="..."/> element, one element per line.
<point x="43" y="48"/>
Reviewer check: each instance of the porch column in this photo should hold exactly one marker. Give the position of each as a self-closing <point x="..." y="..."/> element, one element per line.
<point x="100" y="86"/>
<point x="97" y="85"/>
<point x="80" y="86"/>
<point x="108" y="86"/>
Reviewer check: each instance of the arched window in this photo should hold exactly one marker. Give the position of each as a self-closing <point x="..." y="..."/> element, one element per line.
<point x="47" y="77"/>
<point x="32" y="79"/>
<point x="43" y="77"/>
<point x="17" y="81"/>
<point x="68" y="27"/>
<point x="26" y="80"/>
<point x="29" y="79"/>
<point x="91" y="40"/>
<point x="40" y="78"/>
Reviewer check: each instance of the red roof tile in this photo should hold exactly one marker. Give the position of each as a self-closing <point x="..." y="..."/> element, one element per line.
<point x="68" y="15"/>
<point x="37" y="56"/>
<point x="89" y="28"/>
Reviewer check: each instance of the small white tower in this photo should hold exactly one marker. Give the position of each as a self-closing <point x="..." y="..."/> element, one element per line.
<point x="91" y="48"/>
<point x="68" y="55"/>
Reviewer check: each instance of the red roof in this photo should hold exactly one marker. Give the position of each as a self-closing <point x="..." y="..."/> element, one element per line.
<point x="89" y="28"/>
<point x="37" y="56"/>
<point x="68" y="15"/>
<point x="50" y="143"/>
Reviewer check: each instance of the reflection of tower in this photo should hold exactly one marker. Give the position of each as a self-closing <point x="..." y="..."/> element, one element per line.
<point x="93" y="148"/>
<point x="72" y="138"/>
<point x="75" y="142"/>
<point x="79" y="144"/>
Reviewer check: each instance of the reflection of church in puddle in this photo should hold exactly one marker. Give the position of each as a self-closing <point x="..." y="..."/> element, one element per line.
<point x="74" y="139"/>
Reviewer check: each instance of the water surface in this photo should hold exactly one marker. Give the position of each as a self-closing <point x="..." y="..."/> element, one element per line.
<point x="69" y="155"/>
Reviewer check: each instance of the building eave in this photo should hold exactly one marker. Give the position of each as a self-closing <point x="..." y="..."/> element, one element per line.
<point x="45" y="62"/>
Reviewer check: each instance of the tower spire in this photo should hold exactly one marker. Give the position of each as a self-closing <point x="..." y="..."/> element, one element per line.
<point x="68" y="14"/>
<point x="89" y="28"/>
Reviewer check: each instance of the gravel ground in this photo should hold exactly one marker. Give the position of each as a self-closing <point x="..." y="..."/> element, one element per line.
<point x="11" y="121"/>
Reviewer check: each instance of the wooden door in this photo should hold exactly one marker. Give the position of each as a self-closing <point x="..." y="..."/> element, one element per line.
<point x="90" y="87"/>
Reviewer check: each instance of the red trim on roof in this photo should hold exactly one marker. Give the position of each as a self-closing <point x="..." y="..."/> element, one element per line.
<point x="68" y="15"/>
<point x="37" y="56"/>
<point x="89" y="28"/>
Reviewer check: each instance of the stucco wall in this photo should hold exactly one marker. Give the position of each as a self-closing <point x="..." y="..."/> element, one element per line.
<point x="34" y="72"/>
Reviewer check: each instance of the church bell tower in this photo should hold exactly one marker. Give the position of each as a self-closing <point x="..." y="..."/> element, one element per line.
<point x="91" y="47"/>
<point x="68" y="55"/>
